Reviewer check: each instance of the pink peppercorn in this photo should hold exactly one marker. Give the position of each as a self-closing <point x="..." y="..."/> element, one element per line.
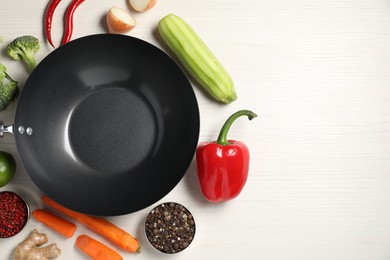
<point x="13" y="214"/>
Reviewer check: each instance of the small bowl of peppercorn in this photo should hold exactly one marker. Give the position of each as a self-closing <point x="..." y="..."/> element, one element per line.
<point x="14" y="213"/>
<point x="170" y="227"/>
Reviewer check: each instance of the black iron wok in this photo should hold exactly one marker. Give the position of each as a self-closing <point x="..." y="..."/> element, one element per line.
<point x="107" y="125"/>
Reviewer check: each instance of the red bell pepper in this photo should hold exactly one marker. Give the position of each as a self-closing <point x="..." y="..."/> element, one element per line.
<point x="223" y="165"/>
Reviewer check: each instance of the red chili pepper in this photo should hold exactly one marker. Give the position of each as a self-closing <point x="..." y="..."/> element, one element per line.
<point x="51" y="7"/>
<point x="223" y="165"/>
<point x="69" y="20"/>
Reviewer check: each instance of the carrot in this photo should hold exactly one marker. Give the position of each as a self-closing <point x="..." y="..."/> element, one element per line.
<point x="101" y="226"/>
<point x="95" y="249"/>
<point x="57" y="223"/>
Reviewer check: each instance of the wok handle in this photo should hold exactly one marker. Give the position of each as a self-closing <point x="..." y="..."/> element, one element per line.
<point x="10" y="129"/>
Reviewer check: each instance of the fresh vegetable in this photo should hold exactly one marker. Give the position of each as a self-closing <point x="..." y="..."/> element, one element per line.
<point x="30" y="248"/>
<point x="24" y="48"/>
<point x="7" y="168"/>
<point x="95" y="249"/>
<point x="69" y="20"/>
<point x="1" y="39"/>
<point x="119" y="20"/>
<point x="142" y="5"/>
<point x="51" y="7"/>
<point x="197" y="58"/>
<point x="101" y="226"/>
<point x="8" y="89"/>
<point x="55" y="222"/>
<point x="223" y="165"/>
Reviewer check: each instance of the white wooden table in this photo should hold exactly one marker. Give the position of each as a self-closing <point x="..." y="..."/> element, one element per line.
<point x="318" y="74"/>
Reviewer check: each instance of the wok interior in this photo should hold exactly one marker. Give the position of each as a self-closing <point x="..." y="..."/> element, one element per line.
<point x="115" y="124"/>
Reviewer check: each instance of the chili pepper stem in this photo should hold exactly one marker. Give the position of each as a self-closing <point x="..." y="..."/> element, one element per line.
<point x="222" y="137"/>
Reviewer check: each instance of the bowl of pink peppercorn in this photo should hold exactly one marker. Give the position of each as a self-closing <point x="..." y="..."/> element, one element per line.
<point x="14" y="213"/>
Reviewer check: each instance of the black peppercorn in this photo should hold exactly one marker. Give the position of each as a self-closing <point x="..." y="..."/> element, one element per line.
<point x="170" y="227"/>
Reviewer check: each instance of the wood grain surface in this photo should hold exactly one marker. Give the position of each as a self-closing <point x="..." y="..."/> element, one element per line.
<point x="317" y="72"/>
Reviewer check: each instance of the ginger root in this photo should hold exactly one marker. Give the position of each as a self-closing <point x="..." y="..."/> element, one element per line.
<point x="30" y="249"/>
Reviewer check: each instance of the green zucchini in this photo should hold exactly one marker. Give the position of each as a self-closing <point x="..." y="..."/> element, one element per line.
<point x="197" y="58"/>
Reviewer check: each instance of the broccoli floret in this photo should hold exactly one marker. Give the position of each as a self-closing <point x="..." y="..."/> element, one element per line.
<point x="8" y="88"/>
<point x="1" y="39"/>
<point x="24" y="48"/>
<point x="2" y="72"/>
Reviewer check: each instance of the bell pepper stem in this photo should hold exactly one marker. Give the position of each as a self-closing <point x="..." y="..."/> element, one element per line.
<point x="222" y="137"/>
